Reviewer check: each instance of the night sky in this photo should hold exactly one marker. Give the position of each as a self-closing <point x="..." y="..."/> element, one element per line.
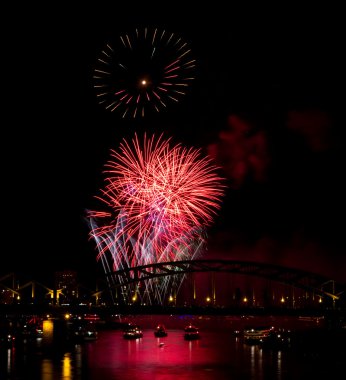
<point x="266" y="104"/>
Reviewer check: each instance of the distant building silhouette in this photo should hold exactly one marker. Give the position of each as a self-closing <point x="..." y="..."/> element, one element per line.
<point x="66" y="285"/>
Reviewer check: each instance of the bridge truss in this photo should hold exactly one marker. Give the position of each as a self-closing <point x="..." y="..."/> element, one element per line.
<point x="311" y="282"/>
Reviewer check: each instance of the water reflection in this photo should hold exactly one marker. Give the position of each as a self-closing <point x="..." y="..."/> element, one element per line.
<point x="260" y="363"/>
<point x="57" y="368"/>
<point x="217" y="355"/>
<point x="252" y="361"/>
<point x="279" y="364"/>
<point x="66" y="367"/>
<point x="78" y="358"/>
<point x="47" y="369"/>
<point x="10" y="354"/>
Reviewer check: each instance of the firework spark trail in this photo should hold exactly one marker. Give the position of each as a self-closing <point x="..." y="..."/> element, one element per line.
<point x="160" y="199"/>
<point x="120" y="259"/>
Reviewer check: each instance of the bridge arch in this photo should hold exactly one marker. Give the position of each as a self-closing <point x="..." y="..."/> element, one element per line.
<point x="308" y="281"/>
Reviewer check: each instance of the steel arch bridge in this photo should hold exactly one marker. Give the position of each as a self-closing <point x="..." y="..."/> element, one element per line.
<point x="308" y="281"/>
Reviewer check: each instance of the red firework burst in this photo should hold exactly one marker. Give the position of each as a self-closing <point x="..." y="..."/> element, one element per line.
<point x="162" y="191"/>
<point x="142" y="71"/>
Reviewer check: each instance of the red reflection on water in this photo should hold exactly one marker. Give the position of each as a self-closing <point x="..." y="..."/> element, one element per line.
<point x="150" y="358"/>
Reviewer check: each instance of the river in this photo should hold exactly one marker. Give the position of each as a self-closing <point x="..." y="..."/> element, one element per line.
<point x="218" y="354"/>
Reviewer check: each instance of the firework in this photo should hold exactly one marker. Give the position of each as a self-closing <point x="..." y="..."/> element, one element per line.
<point x="159" y="198"/>
<point x="143" y="71"/>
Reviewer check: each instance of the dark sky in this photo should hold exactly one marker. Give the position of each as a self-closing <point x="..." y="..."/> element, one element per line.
<point x="267" y="104"/>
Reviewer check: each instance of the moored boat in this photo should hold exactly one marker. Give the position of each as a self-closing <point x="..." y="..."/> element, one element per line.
<point x="133" y="332"/>
<point x="160" y="331"/>
<point x="191" y="332"/>
<point x="255" y="334"/>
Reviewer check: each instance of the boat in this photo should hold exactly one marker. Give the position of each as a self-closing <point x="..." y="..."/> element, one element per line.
<point x="82" y="330"/>
<point x="160" y="331"/>
<point x="90" y="334"/>
<point x="236" y="333"/>
<point x="133" y="332"/>
<point x="7" y="339"/>
<point x="277" y="339"/>
<point x="191" y="332"/>
<point x="255" y="334"/>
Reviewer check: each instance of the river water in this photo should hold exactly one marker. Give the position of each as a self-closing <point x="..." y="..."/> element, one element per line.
<point x="219" y="354"/>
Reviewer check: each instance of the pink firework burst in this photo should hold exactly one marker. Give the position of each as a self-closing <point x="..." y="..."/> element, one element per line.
<point x="159" y="198"/>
